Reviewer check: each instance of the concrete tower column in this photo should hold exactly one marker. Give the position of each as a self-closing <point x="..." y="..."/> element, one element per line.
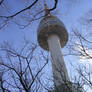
<point x="60" y="73"/>
<point x="58" y="64"/>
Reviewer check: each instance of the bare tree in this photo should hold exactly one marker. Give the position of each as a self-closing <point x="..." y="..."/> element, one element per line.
<point x="22" y="70"/>
<point x="81" y="47"/>
<point x="33" y="11"/>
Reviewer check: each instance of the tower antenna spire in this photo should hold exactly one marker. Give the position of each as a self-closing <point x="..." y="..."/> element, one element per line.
<point x="47" y="12"/>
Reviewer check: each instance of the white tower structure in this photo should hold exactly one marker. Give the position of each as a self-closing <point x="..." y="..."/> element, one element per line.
<point x="52" y="36"/>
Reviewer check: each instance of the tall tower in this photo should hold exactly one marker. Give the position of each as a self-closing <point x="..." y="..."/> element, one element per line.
<point x="52" y="35"/>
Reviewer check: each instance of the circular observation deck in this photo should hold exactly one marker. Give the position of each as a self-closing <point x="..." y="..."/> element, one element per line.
<point x="48" y="26"/>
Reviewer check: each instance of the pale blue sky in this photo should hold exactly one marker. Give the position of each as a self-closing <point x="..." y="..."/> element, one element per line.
<point x="70" y="13"/>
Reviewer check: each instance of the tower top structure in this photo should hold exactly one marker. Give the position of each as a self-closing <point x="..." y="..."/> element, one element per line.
<point x="51" y="25"/>
<point x="52" y="35"/>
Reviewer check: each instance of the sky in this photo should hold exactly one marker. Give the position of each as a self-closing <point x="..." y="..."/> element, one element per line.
<point x="68" y="14"/>
<point x="69" y="11"/>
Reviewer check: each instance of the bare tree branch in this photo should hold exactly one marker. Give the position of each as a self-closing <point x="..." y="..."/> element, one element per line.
<point x="1" y="2"/>
<point x="55" y="5"/>
<point x="21" y="10"/>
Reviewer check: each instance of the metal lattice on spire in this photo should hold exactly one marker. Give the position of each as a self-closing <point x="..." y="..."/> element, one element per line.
<point x="47" y="12"/>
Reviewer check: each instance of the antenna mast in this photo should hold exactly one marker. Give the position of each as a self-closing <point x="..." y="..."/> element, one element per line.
<point x="47" y="12"/>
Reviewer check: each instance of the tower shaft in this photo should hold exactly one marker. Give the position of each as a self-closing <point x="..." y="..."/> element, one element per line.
<point x="58" y="65"/>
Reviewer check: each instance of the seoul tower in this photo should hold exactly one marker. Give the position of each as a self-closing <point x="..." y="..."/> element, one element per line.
<point x="52" y="36"/>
